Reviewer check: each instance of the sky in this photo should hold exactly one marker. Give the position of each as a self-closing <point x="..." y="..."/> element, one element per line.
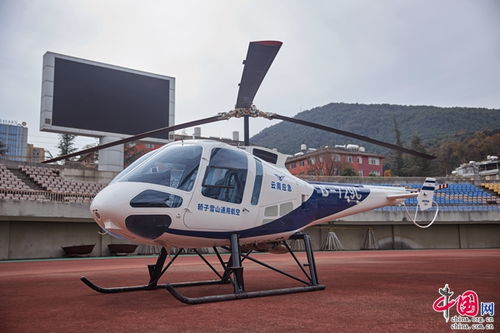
<point x="414" y="52"/>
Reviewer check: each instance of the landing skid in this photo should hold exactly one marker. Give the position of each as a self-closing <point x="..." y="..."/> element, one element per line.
<point x="233" y="273"/>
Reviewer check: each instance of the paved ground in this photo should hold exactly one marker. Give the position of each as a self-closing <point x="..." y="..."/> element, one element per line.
<point x="368" y="291"/>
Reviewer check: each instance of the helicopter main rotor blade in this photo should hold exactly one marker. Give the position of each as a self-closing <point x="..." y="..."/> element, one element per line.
<point x="137" y="137"/>
<point x="259" y="58"/>
<point x="353" y="135"/>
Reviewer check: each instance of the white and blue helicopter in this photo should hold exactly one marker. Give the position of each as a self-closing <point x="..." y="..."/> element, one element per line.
<point x="202" y="193"/>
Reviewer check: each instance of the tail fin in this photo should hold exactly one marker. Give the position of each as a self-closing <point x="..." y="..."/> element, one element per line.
<point x="426" y="195"/>
<point x="425" y="199"/>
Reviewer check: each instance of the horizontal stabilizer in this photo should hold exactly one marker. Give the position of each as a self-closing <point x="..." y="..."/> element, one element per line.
<point x="402" y="196"/>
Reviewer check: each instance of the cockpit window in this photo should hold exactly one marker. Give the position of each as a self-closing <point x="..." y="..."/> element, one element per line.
<point x="134" y="165"/>
<point x="226" y="175"/>
<point x="174" y="166"/>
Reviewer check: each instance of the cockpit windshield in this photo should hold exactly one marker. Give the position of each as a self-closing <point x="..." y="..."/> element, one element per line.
<point x="174" y="166"/>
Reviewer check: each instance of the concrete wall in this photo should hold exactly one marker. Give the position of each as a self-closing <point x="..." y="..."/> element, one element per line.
<point x="30" y="239"/>
<point x="46" y="239"/>
<point x="4" y="240"/>
<point x="392" y="230"/>
<point x="30" y="229"/>
<point x="395" y="236"/>
<point x="88" y="175"/>
<point x="19" y="210"/>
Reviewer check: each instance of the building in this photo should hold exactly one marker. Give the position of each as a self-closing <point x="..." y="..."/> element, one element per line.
<point x="336" y="161"/>
<point x="35" y="154"/>
<point x="14" y="139"/>
<point x="134" y="150"/>
<point x="488" y="169"/>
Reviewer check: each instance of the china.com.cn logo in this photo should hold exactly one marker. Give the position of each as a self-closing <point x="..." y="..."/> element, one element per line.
<point x="467" y="305"/>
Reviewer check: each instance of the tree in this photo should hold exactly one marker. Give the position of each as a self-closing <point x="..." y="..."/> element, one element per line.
<point x="397" y="162"/>
<point x="327" y="165"/>
<point x="348" y="172"/>
<point x="417" y="166"/>
<point x="66" y="144"/>
<point x="89" y="159"/>
<point x="462" y="148"/>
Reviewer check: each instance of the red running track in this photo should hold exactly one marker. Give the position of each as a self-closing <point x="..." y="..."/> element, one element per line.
<point x="368" y="291"/>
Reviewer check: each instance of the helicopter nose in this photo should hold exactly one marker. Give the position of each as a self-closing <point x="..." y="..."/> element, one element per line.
<point x="107" y="209"/>
<point x="113" y="211"/>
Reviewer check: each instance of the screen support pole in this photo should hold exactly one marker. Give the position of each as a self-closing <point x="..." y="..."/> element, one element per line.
<point x="111" y="159"/>
<point x="246" y="131"/>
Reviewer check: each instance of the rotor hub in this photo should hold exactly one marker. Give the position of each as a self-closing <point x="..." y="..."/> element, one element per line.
<point x="242" y="112"/>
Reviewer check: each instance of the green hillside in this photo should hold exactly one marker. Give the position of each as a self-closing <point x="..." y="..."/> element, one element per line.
<point x="430" y="123"/>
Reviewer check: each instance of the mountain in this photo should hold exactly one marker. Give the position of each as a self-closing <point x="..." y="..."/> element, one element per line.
<point x="430" y="123"/>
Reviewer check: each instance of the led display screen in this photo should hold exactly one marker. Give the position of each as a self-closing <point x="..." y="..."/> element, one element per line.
<point x="107" y="99"/>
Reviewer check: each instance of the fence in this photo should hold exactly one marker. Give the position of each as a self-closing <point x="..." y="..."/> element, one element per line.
<point x="44" y="196"/>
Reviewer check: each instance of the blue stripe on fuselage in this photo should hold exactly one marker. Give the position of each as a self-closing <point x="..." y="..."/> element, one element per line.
<point x="316" y="207"/>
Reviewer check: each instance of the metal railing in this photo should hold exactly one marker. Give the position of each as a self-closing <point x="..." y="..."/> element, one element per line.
<point x="44" y="196"/>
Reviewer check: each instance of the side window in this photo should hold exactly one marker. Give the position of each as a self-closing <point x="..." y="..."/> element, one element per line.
<point x="226" y="175"/>
<point x="258" y="182"/>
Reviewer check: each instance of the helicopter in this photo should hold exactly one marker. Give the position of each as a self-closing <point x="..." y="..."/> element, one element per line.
<point x="201" y="193"/>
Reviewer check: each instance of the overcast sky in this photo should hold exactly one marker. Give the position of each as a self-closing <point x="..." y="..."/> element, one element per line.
<point x="444" y="53"/>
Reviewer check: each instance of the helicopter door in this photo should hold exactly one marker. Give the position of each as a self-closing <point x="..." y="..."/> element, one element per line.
<point x="220" y="205"/>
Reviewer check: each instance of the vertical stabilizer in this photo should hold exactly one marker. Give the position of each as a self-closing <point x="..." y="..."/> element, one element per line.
<point x="426" y="194"/>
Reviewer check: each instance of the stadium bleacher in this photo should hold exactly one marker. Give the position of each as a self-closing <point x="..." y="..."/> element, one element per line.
<point x="50" y="180"/>
<point x="52" y="186"/>
<point x="456" y="197"/>
<point x="9" y="180"/>
<point x="494" y="187"/>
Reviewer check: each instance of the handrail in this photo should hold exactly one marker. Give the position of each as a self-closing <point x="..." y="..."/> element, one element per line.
<point x="34" y="195"/>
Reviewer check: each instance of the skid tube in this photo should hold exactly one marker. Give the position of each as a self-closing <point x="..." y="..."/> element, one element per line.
<point x="233" y="273"/>
<point x="155" y="273"/>
<point x="234" y="270"/>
